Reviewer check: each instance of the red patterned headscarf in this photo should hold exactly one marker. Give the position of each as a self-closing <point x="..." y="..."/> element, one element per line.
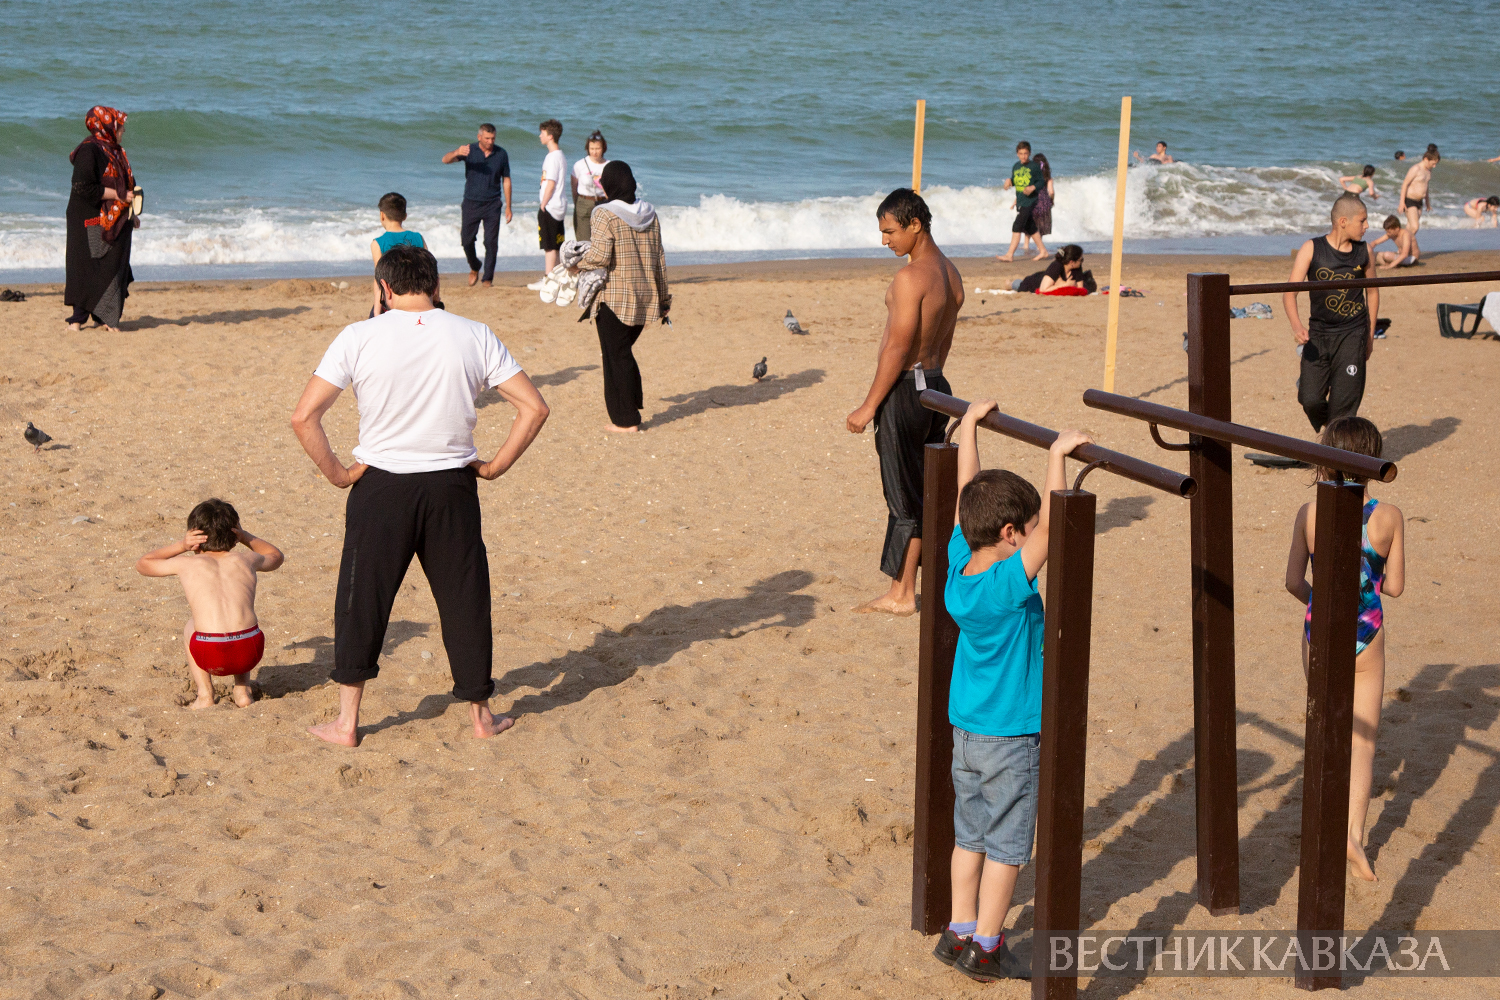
<point x="104" y="126"/>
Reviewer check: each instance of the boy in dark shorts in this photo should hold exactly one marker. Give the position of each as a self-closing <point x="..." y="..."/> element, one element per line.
<point x="554" y="194"/>
<point x="222" y="634"/>
<point x="1023" y="179"/>
<point x="1340" y="333"/>
<point x="995" y="701"/>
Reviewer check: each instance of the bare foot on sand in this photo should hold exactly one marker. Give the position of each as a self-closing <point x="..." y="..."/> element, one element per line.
<point x="75" y="327"/>
<point x="201" y="702"/>
<point x="487" y="724"/>
<point x="1041" y="256"/>
<point x="487" y="284"/>
<point x="244" y="697"/>
<point x="1359" y="862"/>
<point x="622" y="430"/>
<point x="1005" y="257"/>
<point x="332" y="732"/>
<point x="888" y="605"/>
<point x="473" y="278"/>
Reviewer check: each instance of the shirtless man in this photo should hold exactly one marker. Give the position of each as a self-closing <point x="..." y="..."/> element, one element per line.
<point x="922" y="307"/>
<point x="1414" y="194"/>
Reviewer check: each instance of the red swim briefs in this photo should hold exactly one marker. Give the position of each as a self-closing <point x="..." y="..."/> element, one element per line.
<point x="225" y="653"/>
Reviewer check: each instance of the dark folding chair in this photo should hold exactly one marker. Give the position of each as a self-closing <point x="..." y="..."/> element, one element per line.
<point x="1445" y="319"/>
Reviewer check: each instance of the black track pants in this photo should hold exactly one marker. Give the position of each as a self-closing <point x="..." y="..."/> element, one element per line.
<point x="1332" y="383"/>
<point x="903" y="429"/>
<point x="472" y="214"/>
<point x="435" y="517"/>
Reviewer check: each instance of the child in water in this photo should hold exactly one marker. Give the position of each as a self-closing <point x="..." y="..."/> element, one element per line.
<point x="222" y="634"/>
<point x="1382" y="570"/>
<point x="1361" y="184"/>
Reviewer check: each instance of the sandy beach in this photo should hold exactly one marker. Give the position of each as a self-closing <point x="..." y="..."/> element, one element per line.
<point x="708" y="790"/>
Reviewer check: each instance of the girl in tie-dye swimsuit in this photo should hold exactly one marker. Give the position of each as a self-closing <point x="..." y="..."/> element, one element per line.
<point x="1371" y="573"/>
<point x="1380" y="572"/>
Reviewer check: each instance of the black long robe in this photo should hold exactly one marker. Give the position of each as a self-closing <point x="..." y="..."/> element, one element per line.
<point x="96" y="286"/>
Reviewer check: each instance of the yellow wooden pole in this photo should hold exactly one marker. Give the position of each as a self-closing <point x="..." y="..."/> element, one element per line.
<point x="1118" y="250"/>
<point x="916" y="149"/>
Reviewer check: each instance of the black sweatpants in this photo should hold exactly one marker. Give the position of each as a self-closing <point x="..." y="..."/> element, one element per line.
<point x="903" y="429"/>
<point x="1332" y="382"/>
<point x="475" y="212"/>
<point x="388" y="519"/>
<point x="622" y="376"/>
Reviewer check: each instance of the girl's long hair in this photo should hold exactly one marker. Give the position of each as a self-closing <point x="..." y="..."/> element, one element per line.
<point x="1354" y="434"/>
<point x="1040" y="160"/>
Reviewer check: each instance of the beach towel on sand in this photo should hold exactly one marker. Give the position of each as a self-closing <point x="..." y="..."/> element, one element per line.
<point x="1068" y="290"/>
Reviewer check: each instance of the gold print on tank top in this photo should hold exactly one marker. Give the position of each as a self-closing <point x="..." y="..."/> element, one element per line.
<point x="1341" y="302"/>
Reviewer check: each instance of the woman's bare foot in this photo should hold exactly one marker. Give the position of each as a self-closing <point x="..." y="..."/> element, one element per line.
<point x="622" y="430"/>
<point x="1005" y="257"/>
<point x="244" y="697"/>
<point x="333" y="732"/>
<point x="473" y="278"/>
<point x="487" y="724"/>
<point x="1359" y="862"/>
<point x="76" y="327"/>
<point x="1041" y="256"/>
<point x="201" y="702"/>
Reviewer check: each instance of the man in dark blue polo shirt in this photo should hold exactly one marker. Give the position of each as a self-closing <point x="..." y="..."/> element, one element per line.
<point x="486" y="191"/>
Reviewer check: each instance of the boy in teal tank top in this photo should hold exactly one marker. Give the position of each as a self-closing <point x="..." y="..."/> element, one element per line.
<point x="995" y="702"/>
<point x="392" y="215"/>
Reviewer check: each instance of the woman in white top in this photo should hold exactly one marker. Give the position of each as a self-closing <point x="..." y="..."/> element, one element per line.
<point x="586" y="190"/>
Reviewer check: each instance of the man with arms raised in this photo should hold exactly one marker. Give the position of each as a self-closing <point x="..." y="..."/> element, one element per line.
<point x="416" y="371"/>
<point x="922" y="307"/>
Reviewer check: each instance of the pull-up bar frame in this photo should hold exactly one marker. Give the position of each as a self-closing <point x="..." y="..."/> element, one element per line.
<point x="1065" y="683"/>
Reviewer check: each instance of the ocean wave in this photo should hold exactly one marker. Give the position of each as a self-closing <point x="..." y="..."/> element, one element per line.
<point x="1180" y="200"/>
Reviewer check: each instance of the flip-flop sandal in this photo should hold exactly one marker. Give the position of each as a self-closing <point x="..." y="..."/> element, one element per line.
<point x="1274" y="461"/>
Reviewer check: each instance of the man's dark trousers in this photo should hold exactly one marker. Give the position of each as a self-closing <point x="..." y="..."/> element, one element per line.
<point x="1332" y="382"/>
<point x="488" y="212"/>
<point x="388" y="519"/>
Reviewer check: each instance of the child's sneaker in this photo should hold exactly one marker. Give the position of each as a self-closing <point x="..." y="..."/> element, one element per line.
<point x="989" y="966"/>
<point x="949" y="946"/>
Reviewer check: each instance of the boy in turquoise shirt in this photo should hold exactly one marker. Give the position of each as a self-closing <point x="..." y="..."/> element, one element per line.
<point x="995" y="702"/>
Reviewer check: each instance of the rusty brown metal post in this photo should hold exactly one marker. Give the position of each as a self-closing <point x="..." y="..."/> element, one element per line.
<point x="1330" y="721"/>
<point x="1213" y="600"/>
<point x="932" y="835"/>
<point x="1065" y="719"/>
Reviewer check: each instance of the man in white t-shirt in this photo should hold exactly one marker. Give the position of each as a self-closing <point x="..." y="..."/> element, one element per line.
<point x="554" y="194"/>
<point x="416" y="371"/>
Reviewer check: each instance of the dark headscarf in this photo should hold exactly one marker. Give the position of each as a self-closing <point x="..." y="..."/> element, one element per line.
<point x="618" y="182"/>
<point x="104" y="126"/>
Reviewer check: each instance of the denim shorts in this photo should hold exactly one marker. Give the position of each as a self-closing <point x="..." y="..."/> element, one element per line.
<point x="995" y="781"/>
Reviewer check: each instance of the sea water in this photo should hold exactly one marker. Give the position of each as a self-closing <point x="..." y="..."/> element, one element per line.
<point x="264" y="132"/>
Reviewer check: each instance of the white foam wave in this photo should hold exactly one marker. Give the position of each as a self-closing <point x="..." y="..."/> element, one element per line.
<point x="1180" y="200"/>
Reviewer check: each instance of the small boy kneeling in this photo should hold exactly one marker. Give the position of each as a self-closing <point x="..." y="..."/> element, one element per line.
<point x="222" y="636"/>
<point x="995" y="703"/>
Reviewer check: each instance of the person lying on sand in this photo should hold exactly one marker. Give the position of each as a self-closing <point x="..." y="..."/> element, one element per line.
<point x="222" y="635"/>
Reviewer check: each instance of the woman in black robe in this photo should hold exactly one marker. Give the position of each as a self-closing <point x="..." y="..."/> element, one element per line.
<point x="100" y="223"/>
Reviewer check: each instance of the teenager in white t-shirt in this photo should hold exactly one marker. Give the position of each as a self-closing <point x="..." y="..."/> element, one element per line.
<point x="587" y="192"/>
<point x="554" y="194"/>
<point x="416" y="371"/>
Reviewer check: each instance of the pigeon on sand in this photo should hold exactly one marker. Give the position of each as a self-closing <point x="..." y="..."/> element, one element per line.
<point x="790" y="322"/>
<point x="35" y="436"/>
<point x="759" y="371"/>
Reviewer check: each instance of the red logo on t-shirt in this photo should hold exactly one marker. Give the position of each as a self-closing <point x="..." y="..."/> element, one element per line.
<point x="419" y="321"/>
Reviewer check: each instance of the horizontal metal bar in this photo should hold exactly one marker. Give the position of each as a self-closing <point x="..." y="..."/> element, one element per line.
<point x="1121" y="465"/>
<point x="1318" y="455"/>
<point x="1269" y="287"/>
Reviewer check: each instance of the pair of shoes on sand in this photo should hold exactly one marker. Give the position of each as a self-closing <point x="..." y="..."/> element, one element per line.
<point x="963" y="954"/>
<point x="558" y="286"/>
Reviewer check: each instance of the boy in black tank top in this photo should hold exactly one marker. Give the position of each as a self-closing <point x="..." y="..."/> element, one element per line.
<point x="1340" y="334"/>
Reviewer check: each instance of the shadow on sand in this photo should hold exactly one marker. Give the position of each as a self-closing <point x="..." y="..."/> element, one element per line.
<point x="691" y="403"/>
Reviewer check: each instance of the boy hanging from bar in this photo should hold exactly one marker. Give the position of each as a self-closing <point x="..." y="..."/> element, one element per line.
<point x="999" y="544"/>
<point x="922" y="307"/>
<point x="1340" y="334"/>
